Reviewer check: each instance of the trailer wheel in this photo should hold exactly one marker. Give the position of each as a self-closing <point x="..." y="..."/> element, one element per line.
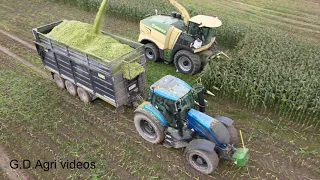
<point x="151" y="52"/>
<point x="71" y="88"/>
<point x="84" y="95"/>
<point x="234" y="136"/>
<point x="149" y="128"/>
<point x="203" y="161"/>
<point x="187" y="62"/>
<point x="59" y="81"/>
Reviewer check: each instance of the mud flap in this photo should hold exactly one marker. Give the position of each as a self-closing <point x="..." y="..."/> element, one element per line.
<point x="201" y="144"/>
<point x="224" y="120"/>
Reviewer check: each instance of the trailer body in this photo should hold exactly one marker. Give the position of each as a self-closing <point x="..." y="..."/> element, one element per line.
<point x="103" y="80"/>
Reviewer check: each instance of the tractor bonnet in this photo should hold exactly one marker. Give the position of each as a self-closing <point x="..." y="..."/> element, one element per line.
<point x="206" y="21"/>
<point x="211" y="124"/>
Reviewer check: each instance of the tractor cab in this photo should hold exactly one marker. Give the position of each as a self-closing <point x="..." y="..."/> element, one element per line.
<point x="203" y="27"/>
<point x="175" y="101"/>
<point x="173" y="98"/>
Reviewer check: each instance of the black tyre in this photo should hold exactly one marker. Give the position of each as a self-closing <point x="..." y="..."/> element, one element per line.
<point x="59" y="81"/>
<point x="152" y="52"/>
<point x="234" y="136"/>
<point x="84" y="95"/>
<point x="203" y="161"/>
<point x="187" y="62"/>
<point x="149" y="128"/>
<point x="71" y="88"/>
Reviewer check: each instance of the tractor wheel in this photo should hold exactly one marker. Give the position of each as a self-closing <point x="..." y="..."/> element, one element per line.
<point x="71" y="88"/>
<point x="149" y="128"/>
<point x="187" y="62"/>
<point x="234" y="136"/>
<point x="84" y="95"/>
<point x="152" y="52"/>
<point x="203" y="161"/>
<point x="59" y="81"/>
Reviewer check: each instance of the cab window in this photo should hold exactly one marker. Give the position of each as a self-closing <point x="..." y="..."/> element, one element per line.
<point x="193" y="28"/>
<point x="166" y="108"/>
<point x="204" y="33"/>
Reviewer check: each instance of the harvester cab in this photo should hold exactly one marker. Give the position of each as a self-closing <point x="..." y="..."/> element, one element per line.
<point x="175" y="116"/>
<point x="187" y="42"/>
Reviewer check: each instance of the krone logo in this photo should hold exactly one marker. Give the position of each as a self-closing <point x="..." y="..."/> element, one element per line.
<point x="158" y="28"/>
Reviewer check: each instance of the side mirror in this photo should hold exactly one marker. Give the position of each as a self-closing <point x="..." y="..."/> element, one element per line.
<point x="151" y="96"/>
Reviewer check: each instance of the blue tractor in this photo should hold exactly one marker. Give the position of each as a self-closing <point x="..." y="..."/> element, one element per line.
<point x="175" y="116"/>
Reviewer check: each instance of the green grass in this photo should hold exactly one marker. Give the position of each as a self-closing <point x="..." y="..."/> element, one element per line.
<point x="158" y="70"/>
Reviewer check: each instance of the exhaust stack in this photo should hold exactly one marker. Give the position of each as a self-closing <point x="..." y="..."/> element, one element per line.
<point x="202" y="104"/>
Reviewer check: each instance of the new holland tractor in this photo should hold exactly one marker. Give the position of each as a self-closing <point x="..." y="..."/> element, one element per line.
<point x="175" y="116"/>
<point x="188" y="42"/>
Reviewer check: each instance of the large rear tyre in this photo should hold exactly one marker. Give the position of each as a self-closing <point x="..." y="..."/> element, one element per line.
<point x="152" y="52"/>
<point x="59" y="81"/>
<point x="187" y="62"/>
<point x="234" y="136"/>
<point x="71" y="88"/>
<point x="149" y="128"/>
<point x="84" y="95"/>
<point x="203" y="161"/>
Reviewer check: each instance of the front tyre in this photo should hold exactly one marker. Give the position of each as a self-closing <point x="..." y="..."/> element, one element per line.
<point x="151" y="52"/>
<point x="203" y="161"/>
<point x="149" y="128"/>
<point x="187" y="62"/>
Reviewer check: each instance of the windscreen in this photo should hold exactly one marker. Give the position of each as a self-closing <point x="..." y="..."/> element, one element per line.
<point x="187" y="102"/>
<point x="204" y="33"/>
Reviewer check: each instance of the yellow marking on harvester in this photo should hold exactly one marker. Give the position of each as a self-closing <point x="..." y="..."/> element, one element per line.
<point x="202" y="48"/>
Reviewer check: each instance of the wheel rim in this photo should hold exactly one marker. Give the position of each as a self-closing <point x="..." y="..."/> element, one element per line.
<point x="59" y="81"/>
<point x="82" y="95"/>
<point x="147" y="129"/>
<point x="149" y="53"/>
<point x="184" y="63"/>
<point x="70" y="88"/>
<point x="199" y="161"/>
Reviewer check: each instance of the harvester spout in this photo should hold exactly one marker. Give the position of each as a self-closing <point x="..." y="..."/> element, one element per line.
<point x="182" y="10"/>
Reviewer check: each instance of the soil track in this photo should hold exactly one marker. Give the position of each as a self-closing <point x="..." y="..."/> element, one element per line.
<point x="117" y="138"/>
<point x="8" y="172"/>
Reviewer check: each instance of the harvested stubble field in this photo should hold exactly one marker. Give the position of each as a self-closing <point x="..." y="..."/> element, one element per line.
<point x="50" y="124"/>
